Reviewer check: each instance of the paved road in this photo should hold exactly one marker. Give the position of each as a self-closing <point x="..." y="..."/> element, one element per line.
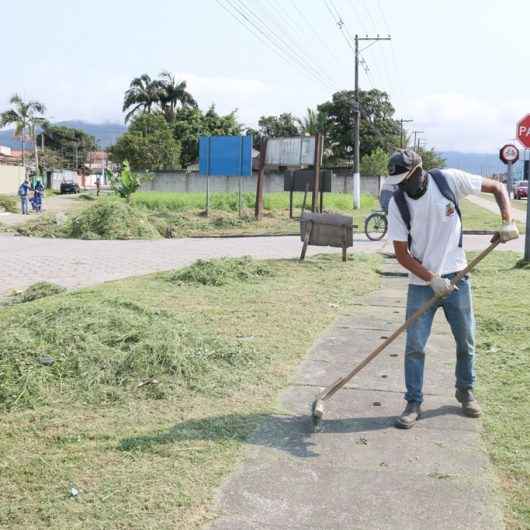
<point x="359" y="472"/>
<point x="518" y="215"/>
<point x="74" y="263"/>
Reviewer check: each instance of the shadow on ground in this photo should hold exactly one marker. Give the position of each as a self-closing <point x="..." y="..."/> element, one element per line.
<point x="292" y="434"/>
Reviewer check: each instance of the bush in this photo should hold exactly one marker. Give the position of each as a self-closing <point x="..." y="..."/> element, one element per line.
<point x="8" y="203"/>
<point x="222" y="271"/>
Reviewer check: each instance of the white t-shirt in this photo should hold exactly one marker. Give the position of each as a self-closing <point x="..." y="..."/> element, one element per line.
<point x="435" y="225"/>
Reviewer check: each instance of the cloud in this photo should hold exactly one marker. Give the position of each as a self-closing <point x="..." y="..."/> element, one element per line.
<point x="459" y="122"/>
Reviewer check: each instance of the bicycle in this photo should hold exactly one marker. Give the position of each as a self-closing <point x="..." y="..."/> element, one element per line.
<point x="376" y="225"/>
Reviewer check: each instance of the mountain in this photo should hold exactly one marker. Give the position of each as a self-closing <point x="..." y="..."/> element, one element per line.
<point x="106" y="133"/>
<point x="480" y="163"/>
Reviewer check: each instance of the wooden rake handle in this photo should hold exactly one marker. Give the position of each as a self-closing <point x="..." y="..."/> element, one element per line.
<point x="339" y="383"/>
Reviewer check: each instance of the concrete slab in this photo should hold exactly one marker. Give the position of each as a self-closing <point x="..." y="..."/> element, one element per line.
<point x="359" y="471"/>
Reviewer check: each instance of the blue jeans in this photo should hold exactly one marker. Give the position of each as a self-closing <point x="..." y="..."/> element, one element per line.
<point x="24" y="203"/>
<point x="458" y="309"/>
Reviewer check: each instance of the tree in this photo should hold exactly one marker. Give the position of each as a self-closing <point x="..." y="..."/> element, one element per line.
<point x="431" y="159"/>
<point x="375" y="163"/>
<point x="148" y="144"/>
<point x="173" y="94"/>
<point x="142" y="95"/>
<point x="313" y="122"/>
<point x="190" y="123"/>
<point x="377" y="129"/>
<point x="72" y="145"/>
<point x="277" y="126"/>
<point x="24" y="117"/>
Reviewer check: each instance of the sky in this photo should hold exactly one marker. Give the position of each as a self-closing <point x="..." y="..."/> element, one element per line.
<point x="458" y="68"/>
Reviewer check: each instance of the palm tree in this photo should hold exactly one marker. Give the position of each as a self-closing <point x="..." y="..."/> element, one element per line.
<point x="314" y="122"/>
<point x="173" y="94"/>
<point x="24" y="116"/>
<point x="143" y="94"/>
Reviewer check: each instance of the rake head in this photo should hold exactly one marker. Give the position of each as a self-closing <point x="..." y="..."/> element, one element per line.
<point x="317" y="412"/>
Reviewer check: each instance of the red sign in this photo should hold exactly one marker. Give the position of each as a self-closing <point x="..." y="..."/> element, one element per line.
<point x="509" y="154"/>
<point x="523" y="131"/>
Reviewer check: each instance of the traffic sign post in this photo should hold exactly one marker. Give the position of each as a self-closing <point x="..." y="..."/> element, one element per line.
<point x="523" y="135"/>
<point x="509" y="154"/>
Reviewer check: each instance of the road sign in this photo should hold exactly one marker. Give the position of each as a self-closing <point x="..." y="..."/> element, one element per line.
<point x="509" y="154"/>
<point x="296" y="151"/>
<point x="523" y="131"/>
<point x="226" y="156"/>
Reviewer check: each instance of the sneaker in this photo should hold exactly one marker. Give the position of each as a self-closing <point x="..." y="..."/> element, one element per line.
<point x="409" y="416"/>
<point x="470" y="406"/>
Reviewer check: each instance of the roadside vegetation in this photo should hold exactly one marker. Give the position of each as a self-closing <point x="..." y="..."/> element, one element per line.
<point x="8" y="203"/>
<point x="140" y="393"/>
<point x="504" y="376"/>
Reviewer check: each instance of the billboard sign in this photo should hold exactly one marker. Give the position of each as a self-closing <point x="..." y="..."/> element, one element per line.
<point x="226" y="156"/>
<point x="296" y="151"/>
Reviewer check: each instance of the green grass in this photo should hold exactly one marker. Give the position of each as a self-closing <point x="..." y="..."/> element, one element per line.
<point x="502" y="302"/>
<point x="155" y="385"/>
<point x="9" y="203"/>
<point x="229" y="202"/>
<point x="520" y="204"/>
<point x="477" y="218"/>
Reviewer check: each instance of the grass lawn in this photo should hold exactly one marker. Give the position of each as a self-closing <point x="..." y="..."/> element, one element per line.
<point x="156" y="384"/>
<point x="520" y="204"/>
<point x="502" y="302"/>
<point x="477" y="218"/>
<point x="183" y="213"/>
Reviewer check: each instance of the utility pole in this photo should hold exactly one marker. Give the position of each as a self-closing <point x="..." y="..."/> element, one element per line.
<point x="416" y="133"/>
<point x="357" y="123"/>
<point x="401" y="122"/>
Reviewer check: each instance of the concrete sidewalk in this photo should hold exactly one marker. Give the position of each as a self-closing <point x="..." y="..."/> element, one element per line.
<point x="360" y="472"/>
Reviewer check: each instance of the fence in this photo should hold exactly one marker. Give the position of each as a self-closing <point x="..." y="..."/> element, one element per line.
<point x="182" y="181"/>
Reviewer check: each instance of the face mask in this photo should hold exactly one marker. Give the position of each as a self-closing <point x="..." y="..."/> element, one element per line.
<point x="416" y="185"/>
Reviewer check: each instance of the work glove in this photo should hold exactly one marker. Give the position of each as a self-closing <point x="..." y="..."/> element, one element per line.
<point x="508" y="231"/>
<point x="442" y="287"/>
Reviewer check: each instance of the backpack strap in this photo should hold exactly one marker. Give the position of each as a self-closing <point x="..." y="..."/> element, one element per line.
<point x="448" y="193"/>
<point x="403" y="207"/>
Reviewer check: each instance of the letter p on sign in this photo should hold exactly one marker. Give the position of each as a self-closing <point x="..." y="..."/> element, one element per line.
<point x="523" y="131"/>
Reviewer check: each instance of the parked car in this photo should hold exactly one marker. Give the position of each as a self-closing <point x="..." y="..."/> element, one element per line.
<point x="69" y="187"/>
<point x="520" y="190"/>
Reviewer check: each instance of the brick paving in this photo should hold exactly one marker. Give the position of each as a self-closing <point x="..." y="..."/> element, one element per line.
<point x="74" y="263"/>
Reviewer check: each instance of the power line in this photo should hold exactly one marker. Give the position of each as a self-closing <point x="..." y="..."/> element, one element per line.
<point x="286" y="46"/>
<point x="315" y="32"/>
<point x="283" y="24"/>
<point x="249" y="24"/>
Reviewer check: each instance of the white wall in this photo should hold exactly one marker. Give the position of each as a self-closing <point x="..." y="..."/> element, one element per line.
<point x="10" y="178"/>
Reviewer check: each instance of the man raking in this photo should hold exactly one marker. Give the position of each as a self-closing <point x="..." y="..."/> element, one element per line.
<point x="425" y="225"/>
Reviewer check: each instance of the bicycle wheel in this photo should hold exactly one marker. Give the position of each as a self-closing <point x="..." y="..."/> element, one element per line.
<point x="375" y="226"/>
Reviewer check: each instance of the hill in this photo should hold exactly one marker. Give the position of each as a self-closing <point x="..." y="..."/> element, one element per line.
<point x="106" y="133"/>
<point x="479" y="163"/>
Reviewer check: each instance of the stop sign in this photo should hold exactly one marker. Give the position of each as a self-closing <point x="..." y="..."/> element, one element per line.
<point x="523" y="131"/>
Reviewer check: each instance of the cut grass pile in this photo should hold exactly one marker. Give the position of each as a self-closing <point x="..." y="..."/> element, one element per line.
<point x="223" y="271"/>
<point x="108" y="218"/>
<point x="502" y="302"/>
<point x="154" y="387"/>
<point x="8" y="203"/>
<point x="35" y="292"/>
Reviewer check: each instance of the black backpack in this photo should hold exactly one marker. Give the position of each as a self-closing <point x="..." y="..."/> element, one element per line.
<point x="445" y="190"/>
